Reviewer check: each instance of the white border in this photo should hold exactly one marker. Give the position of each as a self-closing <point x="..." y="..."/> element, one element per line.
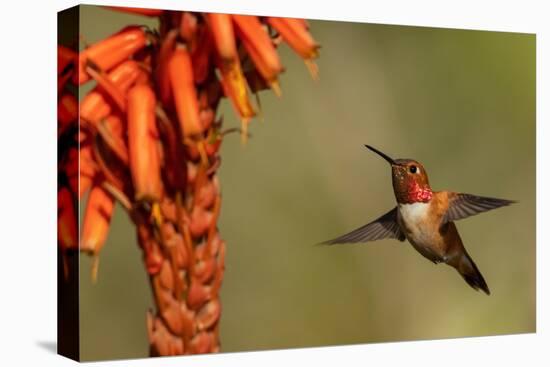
<point x="27" y="147"/>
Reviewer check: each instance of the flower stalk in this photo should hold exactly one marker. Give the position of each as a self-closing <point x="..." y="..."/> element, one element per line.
<point x="150" y="139"/>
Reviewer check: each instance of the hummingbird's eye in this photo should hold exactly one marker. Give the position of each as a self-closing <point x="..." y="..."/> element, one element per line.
<point x="413" y="169"/>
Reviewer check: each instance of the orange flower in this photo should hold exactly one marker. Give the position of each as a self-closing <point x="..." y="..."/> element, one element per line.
<point x="233" y="80"/>
<point x="110" y="52"/>
<point x="142" y="143"/>
<point x="151" y="139"/>
<point x="185" y="95"/>
<point x="260" y="47"/>
<point x="296" y="34"/>
<point x="87" y="169"/>
<point x="97" y="219"/>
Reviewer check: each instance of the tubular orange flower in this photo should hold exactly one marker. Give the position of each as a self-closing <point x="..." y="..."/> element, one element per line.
<point x="222" y="30"/>
<point x="97" y="219"/>
<point x="296" y="35"/>
<point x="112" y="51"/>
<point x="110" y="88"/>
<point x="87" y="167"/>
<point x="233" y="80"/>
<point x="142" y="143"/>
<point x="125" y="75"/>
<point x="185" y="95"/>
<point x="96" y="105"/>
<point x="93" y="107"/>
<point x="259" y="46"/>
<point x="87" y="170"/>
<point x="163" y="78"/>
<point x="235" y="88"/>
<point x="116" y="126"/>
<point x="118" y="81"/>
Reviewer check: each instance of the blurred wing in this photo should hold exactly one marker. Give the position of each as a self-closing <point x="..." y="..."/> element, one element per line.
<point x="384" y="227"/>
<point x="465" y="205"/>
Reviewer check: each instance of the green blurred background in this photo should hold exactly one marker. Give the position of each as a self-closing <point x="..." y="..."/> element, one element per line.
<point x="461" y="102"/>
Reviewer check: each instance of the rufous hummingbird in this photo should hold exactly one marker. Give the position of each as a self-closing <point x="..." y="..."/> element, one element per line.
<point x="426" y="219"/>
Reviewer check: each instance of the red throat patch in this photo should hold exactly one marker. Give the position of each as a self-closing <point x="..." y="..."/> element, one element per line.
<point x="419" y="194"/>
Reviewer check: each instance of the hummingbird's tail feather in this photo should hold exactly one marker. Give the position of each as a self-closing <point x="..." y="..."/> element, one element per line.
<point x="471" y="274"/>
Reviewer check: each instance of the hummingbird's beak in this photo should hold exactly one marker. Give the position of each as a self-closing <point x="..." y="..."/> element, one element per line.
<point x="392" y="162"/>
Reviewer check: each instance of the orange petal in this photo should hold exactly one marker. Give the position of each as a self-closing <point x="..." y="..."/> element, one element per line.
<point x="125" y="75"/>
<point x="163" y="79"/>
<point x="96" y="105"/>
<point x="259" y="46"/>
<point x="185" y="94"/>
<point x="296" y="35"/>
<point x="233" y="81"/>
<point x="97" y="219"/>
<point x="142" y="143"/>
<point x="109" y="87"/>
<point x="86" y="168"/>
<point x="84" y="185"/>
<point x="110" y="52"/>
<point x="235" y="88"/>
<point x="224" y="37"/>
<point x="116" y="126"/>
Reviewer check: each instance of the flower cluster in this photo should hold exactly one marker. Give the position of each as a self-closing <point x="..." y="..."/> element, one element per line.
<point x="148" y="137"/>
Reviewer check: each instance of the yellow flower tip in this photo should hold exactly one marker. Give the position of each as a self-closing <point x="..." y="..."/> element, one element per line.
<point x="95" y="268"/>
<point x="156" y="214"/>
<point x="274" y="85"/>
<point x="312" y="68"/>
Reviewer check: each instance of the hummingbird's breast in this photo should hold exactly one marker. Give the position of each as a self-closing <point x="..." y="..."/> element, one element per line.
<point x="420" y="225"/>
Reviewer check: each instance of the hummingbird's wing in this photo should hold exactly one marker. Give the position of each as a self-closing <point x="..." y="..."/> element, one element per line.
<point x="465" y="205"/>
<point x="384" y="227"/>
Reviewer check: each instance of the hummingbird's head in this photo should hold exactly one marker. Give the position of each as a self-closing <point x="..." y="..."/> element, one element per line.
<point x="409" y="178"/>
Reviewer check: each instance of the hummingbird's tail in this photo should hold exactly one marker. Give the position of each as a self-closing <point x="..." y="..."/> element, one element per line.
<point x="471" y="274"/>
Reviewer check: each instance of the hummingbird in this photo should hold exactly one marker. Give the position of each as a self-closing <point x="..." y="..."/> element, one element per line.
<point x="426" y="219"/>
